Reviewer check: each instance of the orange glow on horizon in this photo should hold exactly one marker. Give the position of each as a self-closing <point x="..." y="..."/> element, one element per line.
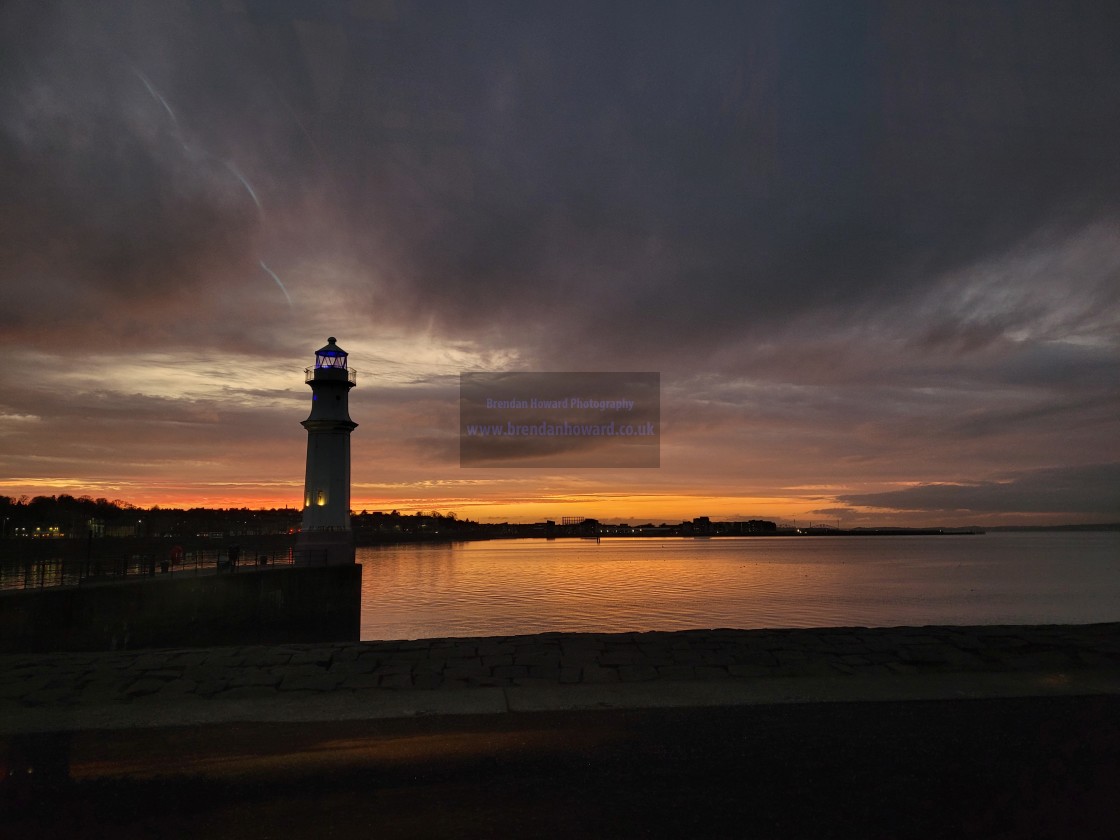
<point x="803" y="506"/>
<point x="606" y="507"/>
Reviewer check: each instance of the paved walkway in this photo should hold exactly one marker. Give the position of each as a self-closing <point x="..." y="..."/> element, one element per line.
<point x="551" y="671"/>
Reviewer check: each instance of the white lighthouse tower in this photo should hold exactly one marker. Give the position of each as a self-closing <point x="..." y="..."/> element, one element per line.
<point x="326" y="535"/>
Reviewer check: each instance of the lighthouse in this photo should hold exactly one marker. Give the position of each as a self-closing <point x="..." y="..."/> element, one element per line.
<point x="326" y="536"/>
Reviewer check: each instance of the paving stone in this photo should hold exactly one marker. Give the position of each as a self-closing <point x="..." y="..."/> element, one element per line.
<point x="48" y="696"/>
<point x="305" y="670"/>
<point x="618" y="657"/>
<point x="151" y="660"/>
<point x="98" y="692"/>
<point x="268" y="658"/>
<point x="392" y="670"/>
<point x="710" y="672"/>
<point x="187" y="658"/>
<point x="252" y="677"/>
<point x="208" y="687"/>
<point x="712" y="657"/>
<point x="35" y="682"/>
<point x="497" y="659"/>
<point x="1006" y="642"/>
<point x="202" y="672"/>
<point x="739" y="670"/>
<point x="525" y="651"/>
<point x="490" y="648"/>
<point x="963" y="642"/>
<point x="879" y="643"/>
<point x="311" y="657"/>
<point x="395" y="681"/>
<point x="413" y="644"/>
<point x="544" y="672"/>
<point x="807" y="668"/>
<point x="637" y="673"/>
<point x="908" y="639"/>
<point x="675" y="672"/>
<point x="596" y="674"/>
<point x="246" y="692"/>
<point x="165" y="673"/>
<point x="569" y="675"/>
<point x="686" y="656"/>
<point x="872" y="670"/>
<point x="455" y="651"/>
<point x="580" y="647"/>
<point x="365" y="663"/>
<point x="468" y="672"/>
<point x="789" y="657"/>
<point x="310" y="682"/>
<point x="429" y="681"/>
<point x="179" y="686"/>
<point x="224" y="662"/>
<point x="145" y="685"/>
<point x="548" y="659"/>
<point x="462" y="684"/>
<point x="510" y="671"/>
<point x="361" y="681"/>
<point x="881" y="657"/>
<point x="932" y="654"/>
<point x="407" y="656"/>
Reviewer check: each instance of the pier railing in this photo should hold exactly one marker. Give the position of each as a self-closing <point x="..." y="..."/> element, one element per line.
<point x="42" y="573"/>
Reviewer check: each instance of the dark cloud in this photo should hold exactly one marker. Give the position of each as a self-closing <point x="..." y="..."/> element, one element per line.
<point x="1092" y="490"/>
<point x="842" y="232"/>
<point x="622" y="177"/>
<point x="137" y="154"/>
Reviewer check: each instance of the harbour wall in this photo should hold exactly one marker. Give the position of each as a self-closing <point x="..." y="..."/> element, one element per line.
<point x="258" y="606"/>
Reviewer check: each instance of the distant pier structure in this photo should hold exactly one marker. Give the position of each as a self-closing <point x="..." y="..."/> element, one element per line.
<point x="326" y="535"/>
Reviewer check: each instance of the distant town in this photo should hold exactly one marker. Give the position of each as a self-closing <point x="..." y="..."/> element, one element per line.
<point x="69" y="517"/>
<point x="59" y="517"/>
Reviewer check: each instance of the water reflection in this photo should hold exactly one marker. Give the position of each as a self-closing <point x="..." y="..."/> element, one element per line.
<point x="527" y="586"/>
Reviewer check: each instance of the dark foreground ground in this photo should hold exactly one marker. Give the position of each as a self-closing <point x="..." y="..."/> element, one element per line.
<point x="994" y="768"/>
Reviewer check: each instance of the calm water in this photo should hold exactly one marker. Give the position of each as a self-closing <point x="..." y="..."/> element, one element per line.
<point x="508" y="587"/>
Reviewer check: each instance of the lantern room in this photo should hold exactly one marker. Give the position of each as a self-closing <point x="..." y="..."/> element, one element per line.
<point x="331" y="356"/>
<point x="330" y="363"/>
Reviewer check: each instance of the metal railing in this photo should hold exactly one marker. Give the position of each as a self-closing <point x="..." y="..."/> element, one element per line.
<point x="351" y="374"/>
<point x="58" y="572"/>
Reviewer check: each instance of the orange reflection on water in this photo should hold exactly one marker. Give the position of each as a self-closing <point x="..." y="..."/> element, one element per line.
<point x="511" y="587"/>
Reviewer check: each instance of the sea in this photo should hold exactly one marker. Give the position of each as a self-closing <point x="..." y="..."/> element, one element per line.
<point x="514" y="587"/>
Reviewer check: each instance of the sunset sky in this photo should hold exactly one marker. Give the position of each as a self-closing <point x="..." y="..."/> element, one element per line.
<point x="873" y="249"/>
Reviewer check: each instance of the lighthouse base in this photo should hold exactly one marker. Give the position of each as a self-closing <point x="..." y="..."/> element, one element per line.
<point x="325" y="548"/>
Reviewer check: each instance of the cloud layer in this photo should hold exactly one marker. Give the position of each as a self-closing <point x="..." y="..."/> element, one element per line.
<point x="866" y="246"/>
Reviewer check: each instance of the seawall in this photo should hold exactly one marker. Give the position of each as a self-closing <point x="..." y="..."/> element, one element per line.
<point x="265" y="606"/>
